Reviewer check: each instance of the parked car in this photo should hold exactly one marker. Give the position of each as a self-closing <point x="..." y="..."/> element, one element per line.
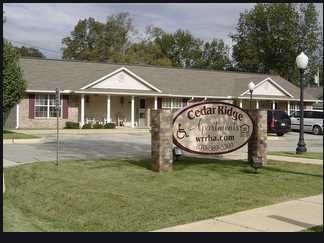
<point x="278" y="122"/>
<point x="313" y="121"/>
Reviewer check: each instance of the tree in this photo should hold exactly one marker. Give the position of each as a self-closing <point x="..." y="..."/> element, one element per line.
<point x="148" y="51"/>
<point x="311" y="39"/>
<point x="13" y="84"/>
<point x="83" y="42"/>
<point x="29" y="52"/>
<point x="269" y="38"/>
<point x="215" y="55"/>
<point x="92" y="40"/>
<point x="182" y="48"/>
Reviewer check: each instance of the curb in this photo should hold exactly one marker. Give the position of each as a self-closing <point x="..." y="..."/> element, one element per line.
<point x="23" y="141"/>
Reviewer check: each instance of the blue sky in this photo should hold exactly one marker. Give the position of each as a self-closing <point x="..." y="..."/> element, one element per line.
<point x="44" y="25"/>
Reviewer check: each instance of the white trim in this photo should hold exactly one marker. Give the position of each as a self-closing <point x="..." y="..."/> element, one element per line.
<point x="155" y="103"/>
<point x="117" y="71"/>
<point x="288" y="108"/>
<point x="167" y="95"/>
<point x="257" y="104"/>
<point x="273" y="82"/>
<point x="82" y="110"/>
<point x="273" y="105"/>
<point x="108" y="109"/>
<point x="132" y="111"/>
<point x="48" y="91"/>
<point x="17" y="116"/>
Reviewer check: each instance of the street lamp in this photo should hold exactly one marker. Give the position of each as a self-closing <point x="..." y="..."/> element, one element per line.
<point x="301" y="61"/>
<point x="251" y="88"/>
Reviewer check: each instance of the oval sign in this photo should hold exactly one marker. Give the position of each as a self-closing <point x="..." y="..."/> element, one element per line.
<point x="211" y="128"/>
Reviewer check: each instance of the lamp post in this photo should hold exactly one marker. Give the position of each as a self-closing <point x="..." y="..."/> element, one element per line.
<point x="301" y="61"/>
<point x="251" y="88"/>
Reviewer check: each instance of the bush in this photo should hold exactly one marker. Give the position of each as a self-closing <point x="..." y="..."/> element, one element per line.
<point x="110" y="125"/>
<point x="71" y="125"/>
<point x="87" y="126"/>
<point x="98" y="126"/>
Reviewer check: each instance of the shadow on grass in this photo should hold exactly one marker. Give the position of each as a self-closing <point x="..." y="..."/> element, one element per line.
<point x="187" y="162"/>
<point x="290" y="172"/>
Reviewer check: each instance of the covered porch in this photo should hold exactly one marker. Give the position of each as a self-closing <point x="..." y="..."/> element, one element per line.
<point x="122" y="110"/>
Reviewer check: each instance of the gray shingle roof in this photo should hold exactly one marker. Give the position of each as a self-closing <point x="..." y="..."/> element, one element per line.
<point x="47" y="74"/>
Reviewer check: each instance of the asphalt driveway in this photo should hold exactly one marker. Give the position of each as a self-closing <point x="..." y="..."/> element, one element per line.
<point x="105" y="146"/>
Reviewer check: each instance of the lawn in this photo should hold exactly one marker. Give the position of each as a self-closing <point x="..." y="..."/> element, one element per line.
<point x="307" y="155"/>
<point x="315" y="229"/>
<point x="124" y="195"/>
<point x="14" y="135"/>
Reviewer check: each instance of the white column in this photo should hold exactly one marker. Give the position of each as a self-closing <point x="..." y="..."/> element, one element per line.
<point x="17" y="116"/>
<point x="132" y="111"/>
<point x="241" y="104"/>
<point x="155" y="102"/>
<point x="82" y="110"/>
<point x="288" y="107"/>
<point x="257" y="104"/>
<point x="108" y="109"/>
<point x="273" y="105"/>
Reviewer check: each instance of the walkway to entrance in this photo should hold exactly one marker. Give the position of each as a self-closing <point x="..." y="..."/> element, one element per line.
<point x="291" y="216"/>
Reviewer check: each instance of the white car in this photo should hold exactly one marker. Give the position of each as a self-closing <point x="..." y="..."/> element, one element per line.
<point x="313" y="121"/>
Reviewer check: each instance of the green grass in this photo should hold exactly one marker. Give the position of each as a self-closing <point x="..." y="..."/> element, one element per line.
<point x="124" y="195"/>
<point x="14" y="135"/>
<point x="307" y="155"/>
<point x="315" y="229"/>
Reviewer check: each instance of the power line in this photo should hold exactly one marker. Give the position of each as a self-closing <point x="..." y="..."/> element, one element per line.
<point x="33" y="46"/>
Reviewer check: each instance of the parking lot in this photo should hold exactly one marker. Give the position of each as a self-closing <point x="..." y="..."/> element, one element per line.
<point x="103" y="146"/>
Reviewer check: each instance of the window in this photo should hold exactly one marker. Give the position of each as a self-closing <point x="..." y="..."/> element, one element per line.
<point x="45" y="106"/>
<point x="171" y="103"/>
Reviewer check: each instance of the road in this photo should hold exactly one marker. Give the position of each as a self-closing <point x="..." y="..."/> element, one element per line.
<point x="103" y="146"/>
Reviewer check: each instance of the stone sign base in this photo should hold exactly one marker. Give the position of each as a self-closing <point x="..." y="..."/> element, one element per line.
<point x="257" y="145"/>
<point x="161" y="140"/>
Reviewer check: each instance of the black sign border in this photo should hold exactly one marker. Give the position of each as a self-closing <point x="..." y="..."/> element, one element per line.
<point x="201" y="103"/>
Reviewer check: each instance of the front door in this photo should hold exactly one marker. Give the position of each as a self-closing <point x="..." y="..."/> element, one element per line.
<point x="141" y="112"/>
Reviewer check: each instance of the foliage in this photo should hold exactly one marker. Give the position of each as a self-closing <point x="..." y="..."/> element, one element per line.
<point x="87" y="126"/>
<point x="97" y="126"/>
<point x="110" y="125"/>
<point x="13" y="83"/>
<point x="123" y="195"/>
<point x="72" y="125"/>
<point x="215" y="55"/>
<point x="92" y="40"/>
<point x="110" y="41"/>
<point x="29" y="52"/>
<point x="270" y="36"/>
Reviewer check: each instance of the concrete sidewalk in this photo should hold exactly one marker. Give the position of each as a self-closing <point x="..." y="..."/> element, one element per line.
<point x="291" y="216"/>
<point x="295" y="159"/>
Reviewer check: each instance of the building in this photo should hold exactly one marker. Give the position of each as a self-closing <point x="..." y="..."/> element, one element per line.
<point x="316" y="92"/>
<point x="125" y="94"/>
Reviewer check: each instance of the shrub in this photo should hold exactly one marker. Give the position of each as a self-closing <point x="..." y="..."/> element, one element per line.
<point x="97" y="126"/>
<point x="71" y="125"/>
<point x="110" y="125"/>
<point x="87" y="126"/>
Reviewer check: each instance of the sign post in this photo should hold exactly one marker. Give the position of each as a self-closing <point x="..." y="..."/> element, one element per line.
<point x="58" y="111"/>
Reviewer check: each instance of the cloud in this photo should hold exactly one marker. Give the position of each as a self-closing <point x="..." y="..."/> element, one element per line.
<point x="44" y="25"/>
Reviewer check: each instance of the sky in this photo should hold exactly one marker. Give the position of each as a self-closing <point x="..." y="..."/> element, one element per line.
<point x="44" y="25"/>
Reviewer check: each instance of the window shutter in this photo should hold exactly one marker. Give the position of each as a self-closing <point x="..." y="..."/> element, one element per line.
<point x="31" y="106"/>
<point x="159" y="103"/>
<point x="65" y="107"/>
